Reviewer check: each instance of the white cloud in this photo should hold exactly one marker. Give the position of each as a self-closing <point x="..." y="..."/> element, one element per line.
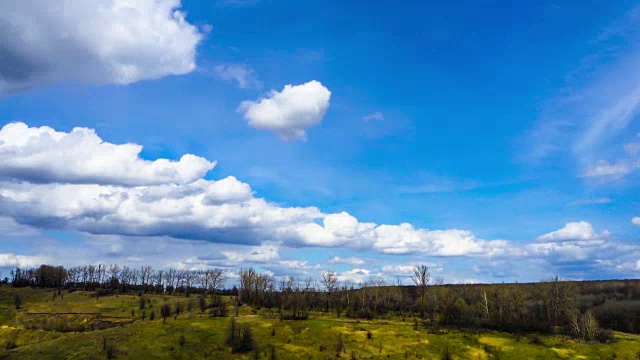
<point x="355" y="276"/>
<point x="574" y="231"/>
<point x="602" y="200"/>
<point x="374" y="116"/>
<point x="125" y="209"/>
<point x="100" y="42"/>
<point x="289" y="112"/>
<point x="22" y="261"/>
<point x="615" y="171"/>
<point x="406" y="270"/>
<point x="405" y="239"/>
<point x="42" y="155"/>
<point x="352" y="260"/>
<point x="242" y="74"/>
<point x="263" y="253"/>
<point x="636" y="221"/>
<point x="576" y="241"/>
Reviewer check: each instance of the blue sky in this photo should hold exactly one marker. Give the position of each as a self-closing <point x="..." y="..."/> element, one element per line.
<point x="482" y="126"/>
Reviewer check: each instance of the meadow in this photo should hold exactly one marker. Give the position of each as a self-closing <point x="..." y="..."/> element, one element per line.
<point x="53" y="324"/>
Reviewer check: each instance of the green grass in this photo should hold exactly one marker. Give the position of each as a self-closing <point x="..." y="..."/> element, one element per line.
<point x="204" y="336"/>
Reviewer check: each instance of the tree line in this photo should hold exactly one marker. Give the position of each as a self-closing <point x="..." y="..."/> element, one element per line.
<point x="546" y="306"/>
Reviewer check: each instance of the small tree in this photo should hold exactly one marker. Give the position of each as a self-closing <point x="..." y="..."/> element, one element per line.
<point x="239" y="337"/>
<point x="202" y="304"/>
<point x="165" y="312"/>
<point x="17" y="301"/>
<point x="421" y="278"/>
<point x="339" y="346"/>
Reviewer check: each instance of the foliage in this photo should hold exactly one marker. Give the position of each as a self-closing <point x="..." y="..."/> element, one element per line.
<point x="239" y="337"/>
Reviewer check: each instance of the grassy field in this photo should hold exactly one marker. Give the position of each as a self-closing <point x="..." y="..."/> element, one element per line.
<point x="192" y="335"/>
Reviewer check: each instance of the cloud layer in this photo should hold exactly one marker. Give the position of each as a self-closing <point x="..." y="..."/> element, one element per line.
<point x="75" y="181"/>
<point x="98" y="42"/>
<point x="290" y="112"/>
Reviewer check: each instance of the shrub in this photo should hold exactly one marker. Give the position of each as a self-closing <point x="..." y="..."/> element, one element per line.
<point x="585" y="327"/>
<point x="11" y="341"/>
<point x="152" y="315"/>
<point x="165" y="311"/>
<point x="339" y="346"/>
<point x="536" y="340"/>
<point x="143" y="302"/>
<point x="17" y="301"/>
<point x="446" y="355"/>
<point x="182" y="340"/>
<point x="272" y="352"/>
<point x="369" y="335"/>
<point x="605" y="336"/>
<point x="240" y="338"/>
<point x="202" y="304"/>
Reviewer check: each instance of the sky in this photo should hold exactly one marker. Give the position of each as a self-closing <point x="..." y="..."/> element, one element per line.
<point x="493" y="141"/>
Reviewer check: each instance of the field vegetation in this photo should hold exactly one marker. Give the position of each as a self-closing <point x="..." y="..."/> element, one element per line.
<point x="97" y="313"/>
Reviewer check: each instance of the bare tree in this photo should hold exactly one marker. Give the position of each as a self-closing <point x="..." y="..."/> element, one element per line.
<point x="421" y="277"/>
<point x="330" y="281"/>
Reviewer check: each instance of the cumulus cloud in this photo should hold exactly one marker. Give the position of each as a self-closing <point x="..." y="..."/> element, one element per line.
<point x="576" y="243"/>
<point x="241" y="74"/>
<point x="76" y="181"/>
<point x="92" y="186"/>
<point x="263" y="253"/>
<point x="23" y="261"/>
<point x="636" y="220"/>
<point x="574" y="231"/>
<point x="289" y="112"/>
<point x="43" y="155"/>
<point x="355" y="276"/>
<point x="352" y="260"/>
<point x="405" y="239"/>
<point x="99" y="42"/>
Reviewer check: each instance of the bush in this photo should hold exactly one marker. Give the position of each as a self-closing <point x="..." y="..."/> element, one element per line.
<point x="536" y="340"/>
<point x="182" y="340"/>
<point x="272" y="352"/>
<point x="585" y="327"/>
<point x="339" y="346"/>
<point x="605" y="336"/>
<point x="165" y="311"/>
<point x="239" y="338"/>
<point x="152" y="315"/>
<point x="369" y="335"/>
<point x="446" y="355"/>
<point x="17" y="301"/>
<point x="202" y="304"/>
<point x="11" y="341"/>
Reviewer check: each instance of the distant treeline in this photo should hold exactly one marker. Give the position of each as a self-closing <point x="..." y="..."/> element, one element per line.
<point x="552" y="305"/>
